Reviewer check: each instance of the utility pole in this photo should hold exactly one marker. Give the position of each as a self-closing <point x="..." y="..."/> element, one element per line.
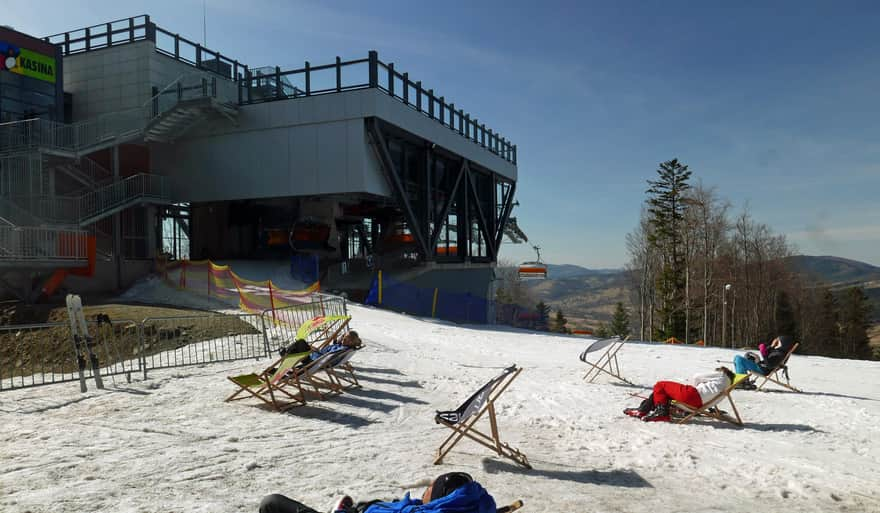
<point x="724" y="316"/>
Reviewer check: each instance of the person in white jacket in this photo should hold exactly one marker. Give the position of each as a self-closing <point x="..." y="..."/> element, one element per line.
<point x="655" y="408"/>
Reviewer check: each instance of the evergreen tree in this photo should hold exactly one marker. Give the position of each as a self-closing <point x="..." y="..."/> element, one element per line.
<point x="826" y="338"/>
<point x="620" y="322"/>
<point x="785" y="323"/>
<point x="666" y="210"/>
<point x="602" y="331"/>
<point x="543" y="316"/>
<point x="855" y="317"/>
<point x="559" y="322"/>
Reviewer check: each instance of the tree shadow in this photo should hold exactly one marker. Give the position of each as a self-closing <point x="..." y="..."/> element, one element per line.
<point x="622" y="478"/>
<point x="381" y="394"/>
<point x="379" y="370"/>
<point x="343" y="419"/>
<point x="408" y="384"/>
<point x="50" y="407"/>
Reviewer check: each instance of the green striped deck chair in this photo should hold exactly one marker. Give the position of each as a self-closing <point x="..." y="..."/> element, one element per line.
<point x="323" y="330"/>
<point x="710" y="408"/>
<point x="269" y="385"/>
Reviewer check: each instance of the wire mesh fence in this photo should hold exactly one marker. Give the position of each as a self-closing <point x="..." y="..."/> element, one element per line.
<point x="42" y="354"/>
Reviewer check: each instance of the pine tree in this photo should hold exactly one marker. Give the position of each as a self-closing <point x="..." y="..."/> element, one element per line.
<point x="855" y="316"/>
<point x="666" y="210"/>
<point x="827" y="333"/>
<point x="543" y="316"/>
<point x="620" y="322"/>
<point x="785" y="323"/>
<point x="559" y="322"/>
<point x="602" y="331"/>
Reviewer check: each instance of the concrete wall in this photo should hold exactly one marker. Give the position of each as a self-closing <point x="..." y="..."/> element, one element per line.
<point x="305" y="146"/>
<point x="112" y="79"/>
<point x="105" y="276"/>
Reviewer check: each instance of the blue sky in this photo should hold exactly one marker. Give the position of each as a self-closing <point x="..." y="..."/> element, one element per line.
<point x="774" y="105"/>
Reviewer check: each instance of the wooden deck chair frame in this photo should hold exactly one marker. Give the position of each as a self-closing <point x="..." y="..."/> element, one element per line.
<point x="710" y="409"/>
<point x="607" y="361"/>
<point x="343" y="372"/>
<point x="269" y="382"/>
<point x="773" y="374"/>
<point x="309" y="375"/>
<point x="464" y="427"/>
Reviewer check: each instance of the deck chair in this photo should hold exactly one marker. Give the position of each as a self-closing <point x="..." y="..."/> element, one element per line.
<point x="773" y="375"/>
<point x="269" y="385"/>
<point x="322" y="330"/>
<point x="710" y="408"/>
<point x="607" y="361"/>
<point x="461" y="421"/>
<point x="318" y="375"/>
<point x="342" y="371"/>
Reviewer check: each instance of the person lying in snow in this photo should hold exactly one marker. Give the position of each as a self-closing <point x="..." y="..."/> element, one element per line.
<point x="770" y="357"/>
<point x="655" y="408"/>
<point x="454" y="492"/>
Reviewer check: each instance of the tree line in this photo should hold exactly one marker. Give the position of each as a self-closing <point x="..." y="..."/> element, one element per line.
<point x="698" y="272"/>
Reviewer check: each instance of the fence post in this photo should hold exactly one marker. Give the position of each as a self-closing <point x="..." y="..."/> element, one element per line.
<point x="308" y="79"/>
<point x="373" y="59"/>
<point x="272" y="301"/>
<point x="434" y="304"/>
<point x="182" y="283"/>
<point x="380" y="287"/>
<point x="338" y="74"/>
<point x="142" y="350"/>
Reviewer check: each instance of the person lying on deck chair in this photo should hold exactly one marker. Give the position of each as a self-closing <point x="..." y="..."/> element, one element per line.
<point x="351" y="340"/>
<point x="655" y="408"/>
<point x="770" y="358"/>
<point x="453" y="492"/>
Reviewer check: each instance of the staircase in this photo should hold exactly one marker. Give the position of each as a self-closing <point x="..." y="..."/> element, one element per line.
<point x="38" y="246"/>
<point x="183" y="104"/>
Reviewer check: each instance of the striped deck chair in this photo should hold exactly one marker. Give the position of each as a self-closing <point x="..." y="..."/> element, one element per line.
<point x="342" y="371"/>
<point x="710" y="408"/>
<point x="313" y="374"/>
<point x="773" y="375"/>
<point x="461" y="421"/>
<point x="607" y="361"/>
<point x="269" y="385"/>
<point x="323" y="330"/>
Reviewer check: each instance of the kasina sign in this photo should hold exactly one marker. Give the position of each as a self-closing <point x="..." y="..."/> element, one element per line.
<point x="32" y="64"/>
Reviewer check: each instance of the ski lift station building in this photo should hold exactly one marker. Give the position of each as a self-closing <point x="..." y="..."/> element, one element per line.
<point x="125" y="141"/>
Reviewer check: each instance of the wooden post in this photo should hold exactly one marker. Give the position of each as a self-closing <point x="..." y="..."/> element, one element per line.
<point x="434" y="304"/>
<point x="380" y="287"/>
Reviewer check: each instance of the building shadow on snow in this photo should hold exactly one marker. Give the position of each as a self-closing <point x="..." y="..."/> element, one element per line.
<point x="622" y="478"/>
<point x="373" y="379"/>
<point x="381" y="394"/>
<point x="378" y="370"/>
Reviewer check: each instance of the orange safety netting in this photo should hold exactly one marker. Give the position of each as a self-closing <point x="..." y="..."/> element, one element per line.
<point x="219" y="281"/>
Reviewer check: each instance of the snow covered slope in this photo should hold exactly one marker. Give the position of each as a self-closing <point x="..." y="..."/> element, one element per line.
<point x="170" y="443"/>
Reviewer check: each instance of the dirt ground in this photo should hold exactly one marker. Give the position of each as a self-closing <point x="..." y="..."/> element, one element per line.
<point x="24" y="350"/>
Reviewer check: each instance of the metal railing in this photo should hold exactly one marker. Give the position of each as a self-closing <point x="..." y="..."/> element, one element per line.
<point x="74" y="139"/>
<point x="112" y="196"/>
<point x="364" y="74"/>
<point x="42" y="244"/>
<point x="42" y="354"/>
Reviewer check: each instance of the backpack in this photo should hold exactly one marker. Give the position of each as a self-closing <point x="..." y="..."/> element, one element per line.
<point x="298" y="346"/>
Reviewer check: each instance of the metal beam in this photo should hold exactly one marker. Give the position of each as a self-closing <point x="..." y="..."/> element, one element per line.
<point x="481" y="219"/>
<point x="450" y="199"/>
<point x="505" y="214"/>
<point x="390" y="171"/>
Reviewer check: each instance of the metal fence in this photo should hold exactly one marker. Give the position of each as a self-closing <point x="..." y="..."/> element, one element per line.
<point x="43" y="244"/>
<point x="42" y="354"/>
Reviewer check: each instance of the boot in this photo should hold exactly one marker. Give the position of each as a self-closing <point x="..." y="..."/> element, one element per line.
<point x="660" y="414"/>
<point x="643" y="409"/>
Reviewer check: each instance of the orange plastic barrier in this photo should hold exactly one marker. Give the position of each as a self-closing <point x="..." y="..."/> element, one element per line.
<point x="219" y="281"/>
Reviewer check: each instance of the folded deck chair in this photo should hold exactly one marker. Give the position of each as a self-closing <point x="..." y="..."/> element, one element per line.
<point x="710" y="408"/>
<point x="461" y="421"/>
<point x="773" y="375"/>
<point x="322" y="330"/>
<point x="607" y="361"/>
<point x="269" y="385"/>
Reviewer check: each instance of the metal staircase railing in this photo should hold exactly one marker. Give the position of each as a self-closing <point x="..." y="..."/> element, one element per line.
<point x="117" y="196"/>
<point x="37" y="244"/>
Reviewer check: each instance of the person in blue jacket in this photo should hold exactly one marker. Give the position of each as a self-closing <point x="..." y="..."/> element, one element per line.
<point x="455" y="492"/>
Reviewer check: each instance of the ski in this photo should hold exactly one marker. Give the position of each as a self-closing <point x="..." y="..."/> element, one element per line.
<point x="82" y="338"/>
<point x="74" y="334"/>
<point x="510" y="507"/>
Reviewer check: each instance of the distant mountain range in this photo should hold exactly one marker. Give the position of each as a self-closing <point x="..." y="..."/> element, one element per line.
<point x="587" y="296"/>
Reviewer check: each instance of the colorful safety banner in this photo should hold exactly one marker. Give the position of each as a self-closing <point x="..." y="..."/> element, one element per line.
<point x="27" y="62"/>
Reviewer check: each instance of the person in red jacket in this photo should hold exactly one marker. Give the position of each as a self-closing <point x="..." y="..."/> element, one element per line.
<point x="655" y="408"/>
